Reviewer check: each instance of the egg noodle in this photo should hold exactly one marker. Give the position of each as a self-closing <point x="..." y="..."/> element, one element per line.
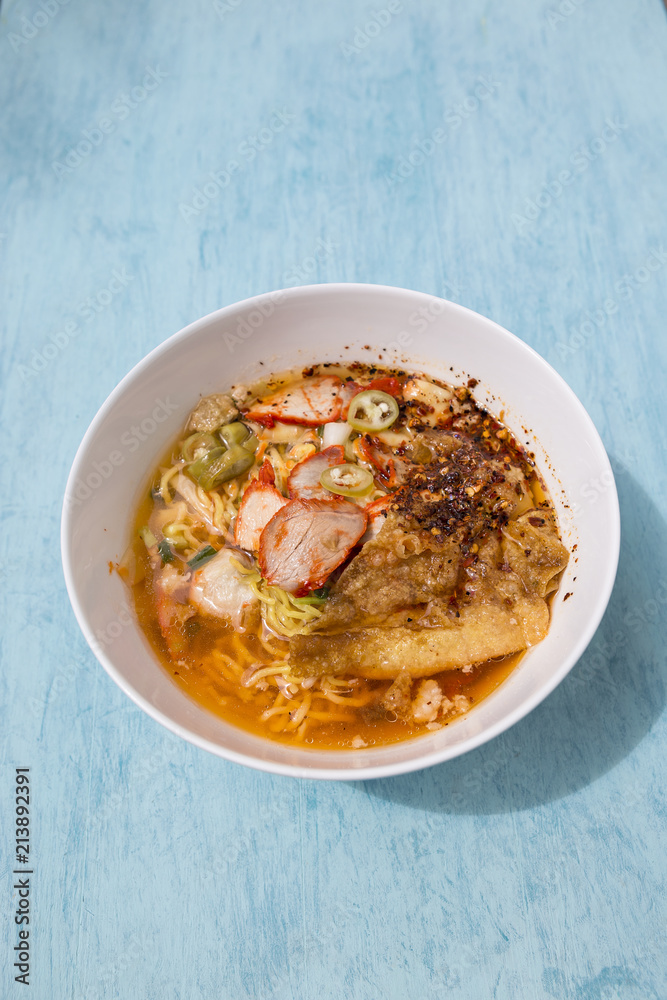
<point x="289" y="704"/>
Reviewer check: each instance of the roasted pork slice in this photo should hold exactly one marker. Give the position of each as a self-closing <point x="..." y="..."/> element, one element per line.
<point x="267" y="473"/>
<point x="480" y="632"/>
<point x="260" y="502"/>
<point x="376" y="512"/>
<point x="307" y="540"/>
<point x="312" y="402"/>
<point x="219" y="589"/>
<point x="304" y="479"/>
<point x="348" y="391"/>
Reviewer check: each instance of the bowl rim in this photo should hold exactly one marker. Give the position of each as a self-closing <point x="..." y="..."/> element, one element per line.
<point x="429" y="759"/>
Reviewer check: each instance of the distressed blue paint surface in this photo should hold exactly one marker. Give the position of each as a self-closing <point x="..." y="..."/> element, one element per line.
<point x="533" y="867"/>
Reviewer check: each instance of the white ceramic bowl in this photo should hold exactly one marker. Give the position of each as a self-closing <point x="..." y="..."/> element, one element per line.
<point x="329" y="323"/>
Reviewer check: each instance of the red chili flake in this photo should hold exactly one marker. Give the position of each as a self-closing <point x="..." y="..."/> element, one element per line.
<point x="389" y="385"/>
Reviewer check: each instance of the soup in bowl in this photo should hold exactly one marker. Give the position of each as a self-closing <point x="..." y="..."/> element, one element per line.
<point x="346" y="531"/>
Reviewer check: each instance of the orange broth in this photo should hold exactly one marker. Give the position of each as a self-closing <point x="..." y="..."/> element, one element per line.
<point x="205" y="680"/>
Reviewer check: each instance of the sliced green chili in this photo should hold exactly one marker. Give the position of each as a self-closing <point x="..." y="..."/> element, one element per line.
<point x="201" y="557"/>
<point x="234" y="433"/>
<point x="372" y="410"/>
<point x="347" y="480"/>
<point x="221" y="465"/>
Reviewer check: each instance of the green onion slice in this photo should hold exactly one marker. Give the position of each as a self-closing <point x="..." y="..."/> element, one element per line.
<point x="347" y="480"/>
<point x="372" y="410"/>
<point x="201" y="557"/>
<point x="314" y="597"/>
<point x="166" y="551"/>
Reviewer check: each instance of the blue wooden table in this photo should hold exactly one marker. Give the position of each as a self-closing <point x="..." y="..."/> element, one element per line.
<point x="162" y="159"/>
